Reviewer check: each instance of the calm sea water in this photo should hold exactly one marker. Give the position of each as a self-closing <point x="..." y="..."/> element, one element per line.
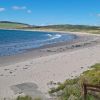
<point x="14" y="41"/>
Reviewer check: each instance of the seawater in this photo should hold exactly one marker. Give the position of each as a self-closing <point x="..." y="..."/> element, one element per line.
<point x="17" y="41"/>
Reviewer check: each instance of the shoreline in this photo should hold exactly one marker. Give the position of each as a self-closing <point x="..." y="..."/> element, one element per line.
<point x="37" y="68"/>
<point x="82" y="41"/>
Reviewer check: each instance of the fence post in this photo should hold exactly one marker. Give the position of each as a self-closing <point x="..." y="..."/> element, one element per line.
<point x="85" y="90"/>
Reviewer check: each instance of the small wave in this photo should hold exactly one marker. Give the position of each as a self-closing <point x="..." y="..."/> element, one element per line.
<point x="54" y="36"/>
<point x="49" y="35"/>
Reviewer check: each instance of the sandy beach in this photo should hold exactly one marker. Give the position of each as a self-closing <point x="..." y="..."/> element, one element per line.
<point x="31" y="73"/>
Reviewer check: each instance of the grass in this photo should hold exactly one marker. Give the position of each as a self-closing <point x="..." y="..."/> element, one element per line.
<point x="72" y="88"/>
<point x="12" y="25"/>
<point x="71" y="28"/>
<point x="27" y="98"/>
<point x="24" y="98"/>
<point x="66" y="27"/>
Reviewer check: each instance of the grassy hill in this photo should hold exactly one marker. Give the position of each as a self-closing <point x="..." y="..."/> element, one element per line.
<point x="12" y="25"/>
<point x="72" y="28"/>
<point x="66" y="27"/>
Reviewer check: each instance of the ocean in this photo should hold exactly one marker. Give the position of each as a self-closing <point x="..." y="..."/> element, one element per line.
<point x="13" y="42"/>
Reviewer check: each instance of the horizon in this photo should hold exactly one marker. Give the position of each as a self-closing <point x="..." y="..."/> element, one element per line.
<point x="50" y="12"/>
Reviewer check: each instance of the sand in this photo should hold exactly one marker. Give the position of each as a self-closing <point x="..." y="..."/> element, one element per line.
<point x="31" y="73"/>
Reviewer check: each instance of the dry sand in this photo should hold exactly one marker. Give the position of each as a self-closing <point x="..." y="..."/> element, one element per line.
<point x="30" y="74"/>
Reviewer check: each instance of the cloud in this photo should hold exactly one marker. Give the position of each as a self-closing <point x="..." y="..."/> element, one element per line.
<point x="29" y="11"/>
<point x="98" y="15"/>
<point x="2" y="9"/>
<point x="22" y="8"/>
<point x="19" y="7"/>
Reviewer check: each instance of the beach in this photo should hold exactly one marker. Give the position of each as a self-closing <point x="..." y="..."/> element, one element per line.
<point x="32" y="72"/>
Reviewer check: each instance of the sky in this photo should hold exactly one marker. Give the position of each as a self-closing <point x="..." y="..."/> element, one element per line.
<point x="48" y="12"/>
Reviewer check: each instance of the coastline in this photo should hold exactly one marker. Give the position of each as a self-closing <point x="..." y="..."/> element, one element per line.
<point x="48" y="63"/>
<point x="83" y="40"/>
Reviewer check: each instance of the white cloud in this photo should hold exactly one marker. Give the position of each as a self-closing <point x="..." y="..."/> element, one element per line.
<point x="22" y="8"/>
<point x="29" y="11"/>
<point x="19" y="7"/>
<point x="2" y="9"/>
<point x="98" y="15"/>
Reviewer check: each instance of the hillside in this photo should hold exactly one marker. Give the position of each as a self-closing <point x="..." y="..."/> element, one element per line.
<point x="12" y="25"/>
<point x="66" y="27"/>
<point x="72" y="28"/>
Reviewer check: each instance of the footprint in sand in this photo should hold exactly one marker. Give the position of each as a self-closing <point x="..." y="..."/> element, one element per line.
<point x="15" y="69"/>
<point x="10" y="72"/>
<point x="82" y="67"/>
<point x="25" y="68"/>
<point x="26" y="65"/>
<point x="1" y="75"/>
<point x="6" y="69"/>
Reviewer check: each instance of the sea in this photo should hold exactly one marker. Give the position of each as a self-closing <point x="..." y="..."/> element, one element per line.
<point x="14" y="42"/>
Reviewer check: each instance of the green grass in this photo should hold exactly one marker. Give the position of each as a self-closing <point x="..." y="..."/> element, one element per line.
<point x="27" y="98"/>
<point x="24" y="98"/>
<point x="72" y="88"/>
<point x="71" y="28"/>
<point x="66" y="27"/>
<point x="12" y="25"/>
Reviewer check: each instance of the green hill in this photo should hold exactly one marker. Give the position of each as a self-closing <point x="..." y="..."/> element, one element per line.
<point x="71" y="28"/>
<point x="65" y="27"/>
<point x="12" y="25"/>
<point x="68" y="27"/>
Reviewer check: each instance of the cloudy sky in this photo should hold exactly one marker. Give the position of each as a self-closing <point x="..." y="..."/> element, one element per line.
<point x="44" y="12"/>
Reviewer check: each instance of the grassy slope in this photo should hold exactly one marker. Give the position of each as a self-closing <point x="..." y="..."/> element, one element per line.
<point x="73" y="87"/>
<point x="67" y="27"/>
<point x="72" y="28"/>
<point x="12" y="25"/>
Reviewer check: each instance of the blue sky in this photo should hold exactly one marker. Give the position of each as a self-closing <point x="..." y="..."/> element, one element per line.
<point x="44" y="12"/>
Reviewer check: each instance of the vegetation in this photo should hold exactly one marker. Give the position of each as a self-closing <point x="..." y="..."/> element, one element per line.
<point x="26" y="98"/>
<point x="66" y="27"/>
<point x="72" y="88"/>
<point x="12" y="25"/>
<point x="71" y="28"/>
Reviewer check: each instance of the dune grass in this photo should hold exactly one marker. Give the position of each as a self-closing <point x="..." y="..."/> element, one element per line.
<point x="27" y="98"/>
<point x="72" y="88"/>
